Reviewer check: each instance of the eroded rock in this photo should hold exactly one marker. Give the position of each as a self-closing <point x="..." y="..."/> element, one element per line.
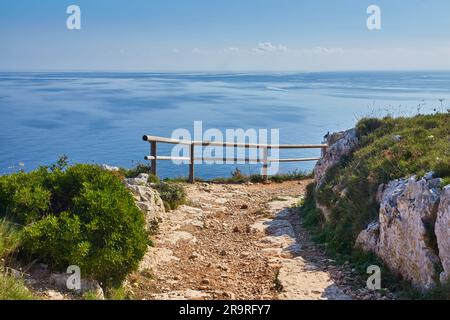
<point x="403" y="236"/>
<point x="340" y="144"/>
<point x="442" y="230"/>
<point x="147" y="199"/>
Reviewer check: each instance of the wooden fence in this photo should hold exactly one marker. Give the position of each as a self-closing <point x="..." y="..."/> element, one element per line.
<point x="154" y="140"/>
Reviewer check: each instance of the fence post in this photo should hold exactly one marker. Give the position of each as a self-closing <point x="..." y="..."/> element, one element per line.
<point x="265" y="164"/>
<point x="153" y="152"/>
<point x="191" y="164"/>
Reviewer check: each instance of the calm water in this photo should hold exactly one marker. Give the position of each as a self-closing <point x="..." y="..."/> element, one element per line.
<point x="101" y="117"/>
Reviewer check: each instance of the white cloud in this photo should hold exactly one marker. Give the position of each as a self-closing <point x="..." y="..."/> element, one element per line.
<point x="269" y="47"/>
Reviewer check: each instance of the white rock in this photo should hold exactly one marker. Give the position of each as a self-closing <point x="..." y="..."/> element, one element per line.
<point x="59" y="280"/>
<point x="54" y="295"/>
<point x="147" y="199"/>
<point x="368" y="238"/>
<point x="340" y="144"/>
<point x="442" y="229"/>
<point x="401" y="237"/>
<point x="110" y="168"/>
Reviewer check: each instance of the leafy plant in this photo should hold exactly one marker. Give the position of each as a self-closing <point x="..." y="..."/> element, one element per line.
<point x="13" y="289"/>
<point x="172" y="194"/>
<point x="80" y="215"/>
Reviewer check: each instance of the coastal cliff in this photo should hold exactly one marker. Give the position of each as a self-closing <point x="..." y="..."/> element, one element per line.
<point x="384" y="187"/>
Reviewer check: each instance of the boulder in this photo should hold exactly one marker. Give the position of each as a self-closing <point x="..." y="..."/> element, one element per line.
<point x="403" y="236"/>
<point x="340" y="144"/>
<point x="368" y="238"/>
<point x="442" y="230"/>
<point x="147" y="199"/>
<point x="59" y="280"/>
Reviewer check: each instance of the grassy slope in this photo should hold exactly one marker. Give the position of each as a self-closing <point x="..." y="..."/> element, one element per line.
<point x="390" y="148"/>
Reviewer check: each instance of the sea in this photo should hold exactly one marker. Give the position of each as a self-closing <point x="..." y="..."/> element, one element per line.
<point x="100" y="117"/>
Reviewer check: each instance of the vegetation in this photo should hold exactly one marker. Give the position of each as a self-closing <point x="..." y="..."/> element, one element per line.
<point x="134" y="171"/>
<point x="238" y="177"/>
<point x="10" y="287"/>
<point x="79" y="215"/>
<point x="13" y="289"/>
<point x="389" y="148"/>
<point x="10" y="238"/>
<point x="172" y="194"/>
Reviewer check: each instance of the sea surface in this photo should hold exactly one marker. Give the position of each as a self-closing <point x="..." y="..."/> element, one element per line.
<point x="101" y="117"/>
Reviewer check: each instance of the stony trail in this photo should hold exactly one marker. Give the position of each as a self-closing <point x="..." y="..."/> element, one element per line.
<point x="239" y="242"/>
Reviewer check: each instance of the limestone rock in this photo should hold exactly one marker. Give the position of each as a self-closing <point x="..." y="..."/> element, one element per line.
<point x="340" y="144"/>
<point x="59" y="280"/>
<point x="401" y="237"/>
<point x="368" y="238"/>
<point x="146" y="198"/>
<point x="442" y="230"/>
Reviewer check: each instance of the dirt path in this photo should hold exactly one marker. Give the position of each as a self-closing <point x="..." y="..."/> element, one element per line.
<point x="238" y="242"/>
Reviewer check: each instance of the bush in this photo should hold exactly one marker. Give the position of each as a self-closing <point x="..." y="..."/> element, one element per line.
<point x="82" y="215"/>
<point x="135" y="171"/>
<point x="368" y="125"/>
<point x="13" y="289"/>
<point x="10" y="239"/>
<point x="172" y="194"/>
<point x="153" y="179"/>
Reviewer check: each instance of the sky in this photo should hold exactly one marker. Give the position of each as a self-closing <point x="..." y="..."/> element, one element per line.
<point x="224" y="35"/>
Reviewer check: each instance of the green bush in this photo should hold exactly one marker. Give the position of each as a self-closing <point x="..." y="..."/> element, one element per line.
<point x="153" y="179"/>
<point x="172" y="194"/>
<point x="13" y="289"/>
<point x="368" y="125"/>
<point x="10" y="238"/>
<point x="135" y="171"/>
<point x="82" y="215"/>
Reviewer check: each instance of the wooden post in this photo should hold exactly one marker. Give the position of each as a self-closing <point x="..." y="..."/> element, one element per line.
<point x="265" y="164"/>
<point x="191" y="164"/>
<point x="153" y="151"/>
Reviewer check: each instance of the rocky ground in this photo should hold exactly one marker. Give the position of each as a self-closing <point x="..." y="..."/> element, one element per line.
<point x="241" y="242"/>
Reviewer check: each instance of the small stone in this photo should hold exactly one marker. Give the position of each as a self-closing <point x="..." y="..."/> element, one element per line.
<point x="236" y="229"/>
<point x="244" y="206"/>
<point x="397" y="138"/>
<point x="54" y="295"/>
<point x="223" y="267"/>
<point x="223" y="253"/>
<point x="193" y="256"/>
<point x="205" y="281"/>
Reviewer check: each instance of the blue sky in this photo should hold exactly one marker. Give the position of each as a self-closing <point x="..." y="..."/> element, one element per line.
<point x="224" y="35"/>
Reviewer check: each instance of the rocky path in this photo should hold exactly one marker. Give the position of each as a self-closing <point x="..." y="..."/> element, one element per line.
<point x="239" y="242"/>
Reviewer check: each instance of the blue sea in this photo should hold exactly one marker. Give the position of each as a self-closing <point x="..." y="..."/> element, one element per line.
<point x="101" y="117"/>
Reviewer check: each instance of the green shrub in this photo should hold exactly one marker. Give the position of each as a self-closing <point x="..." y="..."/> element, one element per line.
<point x="135" y="171"/>
<point x="445" y="182"/>
<point x="10" y="238"/>
<point x="153" y="179"/>
<point x="367" y="126"/>
<point x="81" y="215"/>
<point x="172" y="194"/>
<point x="23" y="196"/>
<point x="118" y="293"/>
<point x="13" y="289"/>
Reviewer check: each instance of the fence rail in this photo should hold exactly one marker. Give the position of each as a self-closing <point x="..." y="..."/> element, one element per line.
<point x="153" y="157"/>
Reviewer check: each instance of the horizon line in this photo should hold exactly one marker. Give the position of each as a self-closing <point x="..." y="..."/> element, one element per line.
<point x="223" y="71"/>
